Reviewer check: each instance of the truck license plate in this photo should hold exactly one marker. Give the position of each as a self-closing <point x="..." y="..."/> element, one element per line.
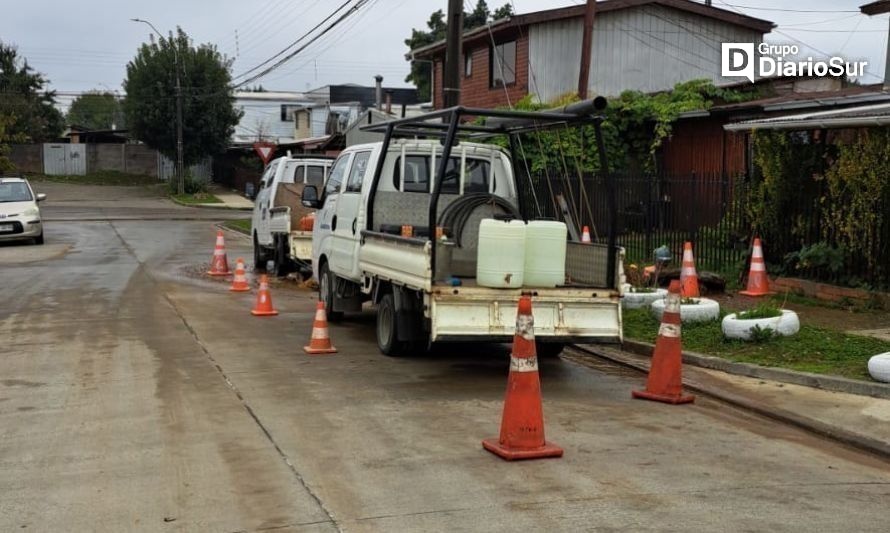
<point x="6" y="227"/>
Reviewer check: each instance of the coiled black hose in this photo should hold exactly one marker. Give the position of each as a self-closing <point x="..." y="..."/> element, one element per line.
<point x="458" y="212"/>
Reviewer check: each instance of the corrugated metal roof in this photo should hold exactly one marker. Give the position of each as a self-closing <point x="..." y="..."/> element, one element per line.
<point x="851" y="117"/>
<point x="729" y="17"/>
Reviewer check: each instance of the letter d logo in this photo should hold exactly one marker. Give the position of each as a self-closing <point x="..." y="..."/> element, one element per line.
<point x="737" y="60"/>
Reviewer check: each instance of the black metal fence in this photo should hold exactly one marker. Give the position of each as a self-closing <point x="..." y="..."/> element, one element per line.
<point x="708" y="210"/>
<point x="654" y="211"/>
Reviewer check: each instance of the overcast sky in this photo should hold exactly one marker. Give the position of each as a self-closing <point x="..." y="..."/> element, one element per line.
<point x="86" y="44"/>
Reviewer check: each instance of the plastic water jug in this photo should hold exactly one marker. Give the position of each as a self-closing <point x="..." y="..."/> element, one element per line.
<point x="545" y="253"/>
<point x="501" y="256"/>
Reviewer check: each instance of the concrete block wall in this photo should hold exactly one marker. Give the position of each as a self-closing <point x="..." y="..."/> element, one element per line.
<point x="27" y="157"/>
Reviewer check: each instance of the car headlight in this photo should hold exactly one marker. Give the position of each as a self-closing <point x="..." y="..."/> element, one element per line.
<point x="31" y="212"/>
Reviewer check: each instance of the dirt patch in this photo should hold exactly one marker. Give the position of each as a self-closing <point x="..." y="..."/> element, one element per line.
<point x="292" y="282"/>
<point x="27" y="253"/>
<point x="814" y="315"/>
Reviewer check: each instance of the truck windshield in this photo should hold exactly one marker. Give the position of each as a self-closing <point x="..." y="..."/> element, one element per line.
<point x="14" y="192"/>
<point x="417" y="175"/>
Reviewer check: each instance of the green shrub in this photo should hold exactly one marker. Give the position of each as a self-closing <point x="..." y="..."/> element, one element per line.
<point x="763" y="310"/>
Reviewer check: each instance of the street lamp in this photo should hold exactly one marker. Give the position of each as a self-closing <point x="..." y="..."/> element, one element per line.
<point x="180" y="182"/>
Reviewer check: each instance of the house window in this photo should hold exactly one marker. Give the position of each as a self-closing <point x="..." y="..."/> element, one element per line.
<point x="287" y="112"/>
<point x="468" y="64"/>
<point x="502" y="64"/>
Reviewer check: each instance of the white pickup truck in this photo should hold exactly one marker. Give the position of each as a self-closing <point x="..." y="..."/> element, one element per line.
<point x="360" y="255"/>
<point x="275" y="225"/>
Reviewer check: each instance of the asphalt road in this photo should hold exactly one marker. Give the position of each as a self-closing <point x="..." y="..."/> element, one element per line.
<point x="137" y="395"/>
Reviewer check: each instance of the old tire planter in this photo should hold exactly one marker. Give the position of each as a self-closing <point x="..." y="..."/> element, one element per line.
<point x="639" y="300"/>
<point x="785" y="325"/>
<point x="879" y="367"/>
<point x="705" y="310"/>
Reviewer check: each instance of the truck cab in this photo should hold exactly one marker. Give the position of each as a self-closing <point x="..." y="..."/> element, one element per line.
<point x="277" y="211"/>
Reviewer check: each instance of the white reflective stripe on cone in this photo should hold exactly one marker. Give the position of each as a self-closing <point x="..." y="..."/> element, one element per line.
<point x="669" y="330"/>
<point x="758" y="253"/>
<point x="672" y="304"/>
<point x="688" y="271"/>
<point x="319" y="333"/>
<point x="758" y="267"/>
<point x="523" y="364"/>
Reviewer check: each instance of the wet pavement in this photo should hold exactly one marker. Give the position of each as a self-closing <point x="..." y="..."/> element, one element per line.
<point x="134" y="396"/>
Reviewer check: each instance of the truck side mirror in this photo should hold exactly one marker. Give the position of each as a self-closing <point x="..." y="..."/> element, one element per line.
<point x="309" y="197"/>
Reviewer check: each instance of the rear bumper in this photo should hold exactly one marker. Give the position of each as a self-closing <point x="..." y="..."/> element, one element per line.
<point x="561" y="315"/>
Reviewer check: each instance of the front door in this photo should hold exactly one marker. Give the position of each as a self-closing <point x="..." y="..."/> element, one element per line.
<point x="347" y="233"/>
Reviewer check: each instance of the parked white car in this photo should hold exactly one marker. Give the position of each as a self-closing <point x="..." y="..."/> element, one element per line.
<point x="19" y="212"/>
<point x="277" y="212"/>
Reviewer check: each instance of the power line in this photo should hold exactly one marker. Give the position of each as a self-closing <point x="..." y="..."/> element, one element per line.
<point x="784" y="10"/>
<point x="358" y="5"/>
<point x="291" y="45"/>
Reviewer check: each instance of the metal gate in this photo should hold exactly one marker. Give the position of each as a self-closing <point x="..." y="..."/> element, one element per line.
<point x="65" y="159"/>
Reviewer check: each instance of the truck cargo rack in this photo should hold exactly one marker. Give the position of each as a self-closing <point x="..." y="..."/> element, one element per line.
<point x="456" y="123"/>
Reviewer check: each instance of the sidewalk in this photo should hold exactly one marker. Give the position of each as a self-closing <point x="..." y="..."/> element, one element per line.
<point x="231" y="200"/>
<point x="859" y="421"/>
<point x="227" y="200"/>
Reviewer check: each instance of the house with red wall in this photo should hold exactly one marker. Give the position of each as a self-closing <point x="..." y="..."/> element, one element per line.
<point x="644" y="45"/>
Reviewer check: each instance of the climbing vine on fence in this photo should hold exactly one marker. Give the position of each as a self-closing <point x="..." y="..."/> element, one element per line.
<point x="636" y="125"/>
<point x="857" y="195"/>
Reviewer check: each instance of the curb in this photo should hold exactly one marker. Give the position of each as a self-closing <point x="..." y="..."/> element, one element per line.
<point x="807" y="379"/>
<point x="849" y="438"/>
<point x="219" y="205"/>
<point x="223" y="227"/>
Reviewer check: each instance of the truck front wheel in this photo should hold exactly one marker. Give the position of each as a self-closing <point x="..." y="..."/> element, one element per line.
<point x="387" y="327"/>
<point x="326" y="290"/>
<point x="259" y="256"/>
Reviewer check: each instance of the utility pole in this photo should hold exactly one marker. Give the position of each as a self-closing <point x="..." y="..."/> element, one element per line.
<point x="180" y="178"/>
<point x="879" y="8"/>
<point x="453" y="47"/>
<point x="586" y="45"/>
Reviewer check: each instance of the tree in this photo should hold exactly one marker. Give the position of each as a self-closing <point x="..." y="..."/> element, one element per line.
<point x="5" y="139"/>
<point x="208" y="104"/>
<point x="421" y="70"/>
<point x="28" y="106"/>
<point x="96" y="110"/>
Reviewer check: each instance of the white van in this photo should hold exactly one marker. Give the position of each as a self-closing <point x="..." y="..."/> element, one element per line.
<point x="277" y="211"/>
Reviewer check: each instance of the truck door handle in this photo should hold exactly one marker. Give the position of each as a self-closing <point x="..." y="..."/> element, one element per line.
<point x="354" y="221"/>
<point x="334" y="223"/>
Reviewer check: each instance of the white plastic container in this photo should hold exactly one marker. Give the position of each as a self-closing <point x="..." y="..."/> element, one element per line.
<point x="500" y="261"/>
<point x="545" y="253"/>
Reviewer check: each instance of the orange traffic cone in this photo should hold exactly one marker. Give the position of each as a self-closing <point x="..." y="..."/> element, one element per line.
<point x="585" y="235"/>
<point x="263" y="306"/>
<point x="758" y="283"/>
<point x="665" y="383"/>
<point x="239" y="282"/>
<point x="219" y="264"/>
<point x="688" y="275"/>
<point x="320" y="342"/>
<point x="522" y="424"/>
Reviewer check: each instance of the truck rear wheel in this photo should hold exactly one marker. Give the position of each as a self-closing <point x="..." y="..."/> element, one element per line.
<point x="547" y="350"/>
<point x="326" y="290"/>
<point x="387" y="327"/>
<point x="283" y="265"/>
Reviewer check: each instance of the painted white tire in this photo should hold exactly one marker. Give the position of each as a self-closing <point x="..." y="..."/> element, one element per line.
<point x="638" y="300"/>
<point x="705" y="310"/>
<point x="787" y="324"/>
<point x="879" y="367"/>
